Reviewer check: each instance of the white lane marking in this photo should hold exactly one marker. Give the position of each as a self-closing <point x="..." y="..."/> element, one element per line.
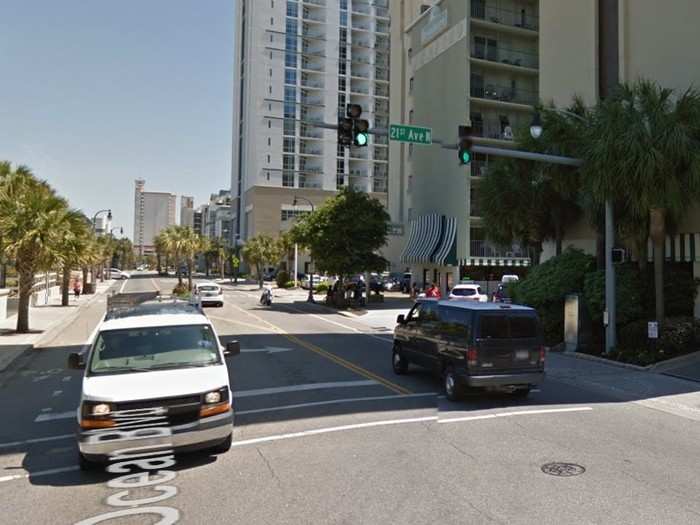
<point x="39" y="473"/>
<point x="266" y="350"/>
<point x="39" y="378"/>
<point x="66" y="379"/>
<point x="511" y="414"/>
<point x="46" y="409"/>
<point x="155" y="286"/>
<point x="35" y="440"/>
<point x="57" y="393"/>
<point x="356" y="330"/>
<point x="121" y="288"/>
<point x="298" y="388"/>
<point x="328" y="430"/>
<point x="332" y="402"/>
<point x="54" y="416"/>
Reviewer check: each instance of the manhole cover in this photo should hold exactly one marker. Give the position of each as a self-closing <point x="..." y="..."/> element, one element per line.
<point x="563" y="470"/>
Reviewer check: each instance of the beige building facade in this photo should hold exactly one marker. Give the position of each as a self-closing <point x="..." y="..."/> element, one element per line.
<point x="471" y="63"/>
<point x="153" y="212"/>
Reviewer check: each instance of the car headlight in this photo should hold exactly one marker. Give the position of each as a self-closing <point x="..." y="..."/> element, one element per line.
<point x="96" y="409"/>
<point x="212" y="397"/>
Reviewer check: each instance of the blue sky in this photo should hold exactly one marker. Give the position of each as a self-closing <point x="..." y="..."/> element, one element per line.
<point x="96" y="93"/>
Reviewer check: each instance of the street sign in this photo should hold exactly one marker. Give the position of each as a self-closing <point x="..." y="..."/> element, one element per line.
<point x="653" y="329"/>
<point x="412" y="134"/>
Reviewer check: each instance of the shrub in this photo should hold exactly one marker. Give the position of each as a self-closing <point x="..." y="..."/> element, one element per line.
<point x="181" y="290"/>
<point x="628" y="292"/>
<point x="678" y="336"/>
<point x="322" y="288"/>
<point x="282" y="278"/>
<point x="288" y="284"/>
<point x="547" y="285"/>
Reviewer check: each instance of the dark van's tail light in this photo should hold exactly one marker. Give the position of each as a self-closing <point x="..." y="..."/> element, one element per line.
<point x="542" y="354"/>
<point x="472" y="357"/>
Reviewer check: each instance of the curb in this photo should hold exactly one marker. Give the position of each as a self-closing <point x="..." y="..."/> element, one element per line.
<point x="50" y="332"/>
<point x="602" y="360"/>
<point x="680" y="360"/>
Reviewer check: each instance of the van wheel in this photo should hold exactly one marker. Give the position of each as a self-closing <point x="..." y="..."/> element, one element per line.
<point x="449" y="383"/>
<point x="224" y="446"/>
<point x="522" y="392"/>
<point x="399" y="361"/>
<point x="88" y="466"/>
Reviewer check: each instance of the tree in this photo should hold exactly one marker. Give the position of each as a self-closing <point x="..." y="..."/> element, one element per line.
<point x="344" y="234"/>
<point x="184" y="244"/>
<point x="30" y="218"/>
<point x="74" y="237"/>
<point x="643" y="151"/>
<point x="260" y="251"/>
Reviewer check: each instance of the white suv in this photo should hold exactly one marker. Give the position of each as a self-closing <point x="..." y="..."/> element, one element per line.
<point x="155" y="378"/>
<point x="468" y="292"/>
<point x="209" y="293"/>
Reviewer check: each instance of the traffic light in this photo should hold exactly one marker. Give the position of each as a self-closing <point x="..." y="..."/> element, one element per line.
<point x="345" y="131"/>
<point x="357" y="128"/>
<point x="360" y="137"/>
<point x="465" y="144"/>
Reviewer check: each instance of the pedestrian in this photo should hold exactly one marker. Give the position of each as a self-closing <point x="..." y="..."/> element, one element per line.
<point x="414" y="290"/>
<point x="433" y="291"/>
<point x="76" y="289"/>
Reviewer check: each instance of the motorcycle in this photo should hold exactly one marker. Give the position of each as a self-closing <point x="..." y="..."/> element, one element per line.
<point x="266" y="297"/>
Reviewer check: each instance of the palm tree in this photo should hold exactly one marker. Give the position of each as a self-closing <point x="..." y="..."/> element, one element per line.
<point x="184" y="245"/>
<point x="30" y="217"/>
<point x="260" y="251"/>
<point x="74" y="236"/>
<point x="643" y="151"/>
<point x="161" y="249"/>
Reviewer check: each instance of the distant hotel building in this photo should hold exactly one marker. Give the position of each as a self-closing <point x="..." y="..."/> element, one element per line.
<point x="187" y="211"/>
<point x="300" y="63"/>
<point x="153" y="212"/>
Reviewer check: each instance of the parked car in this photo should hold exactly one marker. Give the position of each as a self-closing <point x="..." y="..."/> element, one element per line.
<point x="116" y="273"/>
<point x="157" y="359"/>
<point x="318" y="279"/>
<point x="470" y="344"/>
<point x="468" y="292"/>
<point x="209" y="293"/>
<point x="509" y="278"/>
<point x="501" y="294"/>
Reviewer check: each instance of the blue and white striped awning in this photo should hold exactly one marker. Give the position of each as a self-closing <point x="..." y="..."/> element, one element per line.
<point x="431" y="240"/>
<point x="496" y="261"/>
<point x="683" y="247"/>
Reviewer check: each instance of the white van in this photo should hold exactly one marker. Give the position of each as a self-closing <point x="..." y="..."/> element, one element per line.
<point x="155" y="378"/>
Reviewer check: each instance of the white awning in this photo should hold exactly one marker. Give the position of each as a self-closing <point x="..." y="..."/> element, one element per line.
<point x="423" y="239"/>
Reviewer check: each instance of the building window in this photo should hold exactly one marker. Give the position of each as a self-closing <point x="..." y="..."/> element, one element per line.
<point x="292" y="9"/>
<point x="272" y="21"/>
<point x="410" y="117"/>
<point x="268" y="159"/>
<point x="289" y="144"/>
<point x="410" y="85"/>
<point x="288" y="162"/>
<point x="344" y="18"/>
<point x="287" y="215"/>
<point x="290" y="76"/>
<point x="288" y="179"/>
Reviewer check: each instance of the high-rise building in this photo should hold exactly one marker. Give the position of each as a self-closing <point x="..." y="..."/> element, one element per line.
<point x="186" y="211"/>
<point x="298" y="63"/>
<point x="462" y="62"/>
<point x="153" y="212"/>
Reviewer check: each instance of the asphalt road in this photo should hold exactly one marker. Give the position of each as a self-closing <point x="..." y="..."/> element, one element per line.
<point x="325" y="433"/>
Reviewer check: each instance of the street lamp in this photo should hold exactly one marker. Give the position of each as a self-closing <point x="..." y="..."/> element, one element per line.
<point x="121" y="230"/>
<point x="536" y="130"/>
<point x="94" y="217"/>
<point x="311" y="274"/>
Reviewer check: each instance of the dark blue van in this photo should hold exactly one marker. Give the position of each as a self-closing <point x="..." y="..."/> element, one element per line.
<point x="472" y="345"/>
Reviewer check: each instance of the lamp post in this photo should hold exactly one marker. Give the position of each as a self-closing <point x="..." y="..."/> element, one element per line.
<point x="94" y="228"/>
<point x="311" y="273"/>
<point x="536" y="130"/>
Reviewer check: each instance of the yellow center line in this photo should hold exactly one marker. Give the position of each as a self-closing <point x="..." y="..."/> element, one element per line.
<point x="233" y="321"/>
<point x="330" y="356"/>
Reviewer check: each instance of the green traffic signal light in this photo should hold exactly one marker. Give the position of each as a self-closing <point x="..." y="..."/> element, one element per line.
<point x="465" y="156"/>
<point x="361" y="139"/>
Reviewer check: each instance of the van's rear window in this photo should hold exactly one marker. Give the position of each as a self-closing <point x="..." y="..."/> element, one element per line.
<point x="493" y="326"/>
<point x="523" y="326"/>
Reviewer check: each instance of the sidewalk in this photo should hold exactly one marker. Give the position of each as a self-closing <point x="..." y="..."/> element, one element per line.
<point x="649" y="388"/>
<point x="44" y="322"/>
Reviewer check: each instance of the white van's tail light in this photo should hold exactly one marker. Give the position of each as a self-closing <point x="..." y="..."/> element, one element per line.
<point x="472" y="356"/>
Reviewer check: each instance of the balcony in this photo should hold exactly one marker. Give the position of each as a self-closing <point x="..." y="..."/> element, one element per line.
<point x="496" y="15"/>
<point x="381" y="154"/>
<point x="505" y="94"/>
<point x="360" y="25"/>
<point x="306" y="149"/>
<point x="359" y="72"/>
<point x="479" y="168"/>
<point x="321" y="3"/>
<point x="312" y="16"/>
<point x="312" y="101"/>
<point x="381" y="74"/>
<point x="310" y="132"/>
<point x="382" y="12"/>
<point x="306" y="181"/>
<point x="486" y="249"/>
<point x="356" y="88"/>
<point x="492" y="130"/>
<point x="380" y="185"/>
<point x="308" y="83"/>
<point x="382" y="28"/>
<point x="381" y="91"/>
<point x="356" y="42"/>
<point x="313" y="31"/>
<point x="504" y="56"/>
<point x="361" y="8"/>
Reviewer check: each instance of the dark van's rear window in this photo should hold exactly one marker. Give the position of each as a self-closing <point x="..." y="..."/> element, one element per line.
<point x="496" y="326"/>
<point x="493" y="326"/>
<point x="523" y="326"/>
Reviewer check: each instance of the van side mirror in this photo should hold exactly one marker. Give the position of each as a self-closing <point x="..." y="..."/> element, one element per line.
<point x="75" y="361"/>
<point x="232" y="348"/>
<point x="401" y="319"/>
